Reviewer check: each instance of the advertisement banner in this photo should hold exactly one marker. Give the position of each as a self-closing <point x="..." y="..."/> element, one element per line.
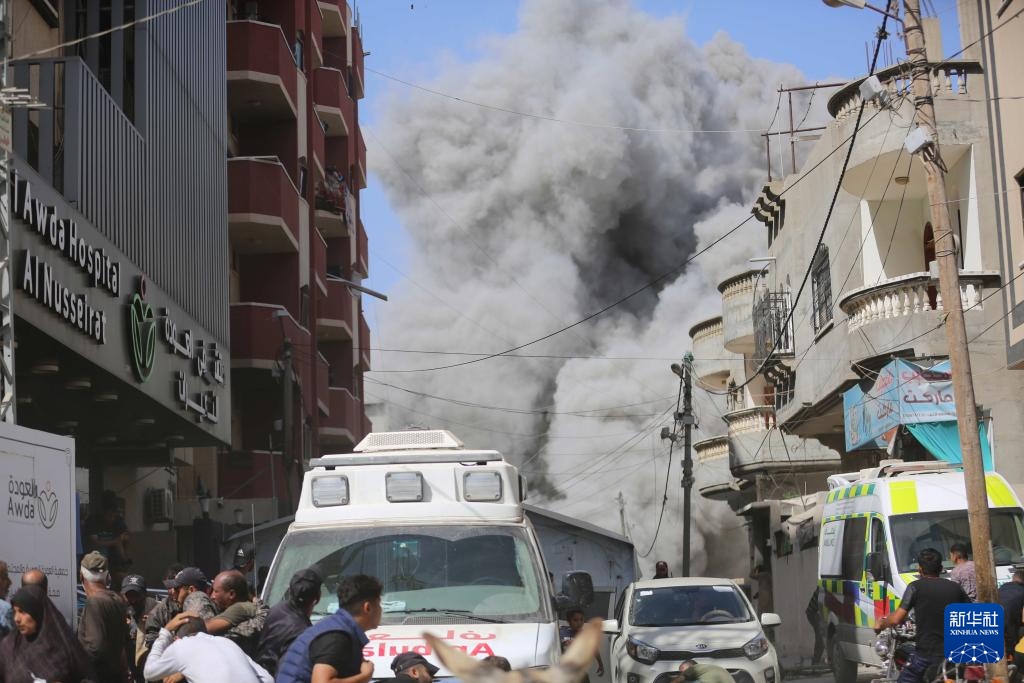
<point x="37" y="496"/>
<point x="901" y="393"/>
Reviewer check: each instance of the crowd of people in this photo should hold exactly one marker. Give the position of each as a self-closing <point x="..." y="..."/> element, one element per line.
<point x="202" y="631"/>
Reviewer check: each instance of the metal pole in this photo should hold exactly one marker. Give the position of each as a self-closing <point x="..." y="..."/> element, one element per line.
<point x="956" y="332"/>
<point x="792" y="143"/>
<point x="286" y="418"/>
<point x="7" y="375"/>
<point x="687" y="420"/>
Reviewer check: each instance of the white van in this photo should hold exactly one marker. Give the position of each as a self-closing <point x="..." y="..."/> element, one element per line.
<point x="874" y="523"/>
<point x="444" y="530"/>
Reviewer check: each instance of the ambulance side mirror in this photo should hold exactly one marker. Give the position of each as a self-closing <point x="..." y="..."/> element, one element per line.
<point x="578" y="587"/>
<point x="878" y="567"/>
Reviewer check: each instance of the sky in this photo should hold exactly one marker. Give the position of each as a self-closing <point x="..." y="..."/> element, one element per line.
<point x="413" y="39"/>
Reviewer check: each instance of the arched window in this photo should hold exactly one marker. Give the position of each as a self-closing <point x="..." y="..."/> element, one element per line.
<point x="821" y="289"/>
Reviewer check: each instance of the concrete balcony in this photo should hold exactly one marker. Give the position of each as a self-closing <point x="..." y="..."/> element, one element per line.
<point x="262" y="77"/>
<point x="333" y="104"/>
<point x="714" y="481"/>
<point x="317" y="138"/>
<point x="357" y="64"/>
<point x="737" y="312"/>
<point x="364" y="344"/>
<point x="319" y="247"/>
<point x="323" y="393"/>
<point x="256" y="335"/>
<point x="336" y="18"/>
<point x="753" y="450"/>
<point x="362" y="262"/>
<point x="316" y="29"/>
<point x="955" y="88"/>
<point x="915" y="294"/>
<point x="263" y="206"/>
<point x="712" y="363"/>
<point x="360" y="178"/>
<point x="343" y="426"/>
<point x="336" y="313"/>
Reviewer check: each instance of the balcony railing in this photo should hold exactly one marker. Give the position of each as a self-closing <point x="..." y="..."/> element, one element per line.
<point x="262" y="78"/>
<point x="711" y="362"/>
<point x="364" y="343"/>
<point x="316" y="28"/>
<point x="715" y="480"/>
<point x="360" y="158"/>
<point x="949" y="79"/>
<point x="317" y="139"/>
<point x="335" y="316"/>
<point x="263" y="206"/>
<point x="737" y="307"/>
<point x="319" y="247"/>
<point x="756" y="419"/>
<point x="357" y="63"/>
<point x="323" y="393"/>
<point x="344" y="423"/>
<point x="362" y="264"/>
<point x="908" y="295"/>
<point x="256" y="334"/>
<point x="773" y="327"/>
<point x="335" y="18"/>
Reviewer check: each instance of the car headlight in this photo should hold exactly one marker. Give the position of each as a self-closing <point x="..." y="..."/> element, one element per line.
<point x="756" y="647"/>
<point x="641" y="651"/>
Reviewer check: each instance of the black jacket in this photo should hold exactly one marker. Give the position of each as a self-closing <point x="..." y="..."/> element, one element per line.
<point x="284" y="624"/>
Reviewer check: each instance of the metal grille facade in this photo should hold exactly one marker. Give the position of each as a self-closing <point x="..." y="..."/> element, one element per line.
<point x="821" y="289"/>
<point x="773" y="332"/>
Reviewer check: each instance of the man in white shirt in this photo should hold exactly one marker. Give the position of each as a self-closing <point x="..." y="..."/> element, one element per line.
<point x="183" y="647"/>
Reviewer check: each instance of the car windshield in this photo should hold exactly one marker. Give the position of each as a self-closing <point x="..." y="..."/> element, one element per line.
<point x="441" y="574"/>
<point x="688" y="605"/>
<point x="939" y="530"/>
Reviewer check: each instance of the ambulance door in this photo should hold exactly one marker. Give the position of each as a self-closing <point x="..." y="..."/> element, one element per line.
<point x="878" y="582"/>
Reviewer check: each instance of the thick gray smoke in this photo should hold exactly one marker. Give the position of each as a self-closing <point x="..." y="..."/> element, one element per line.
<point x="521" y="226"/>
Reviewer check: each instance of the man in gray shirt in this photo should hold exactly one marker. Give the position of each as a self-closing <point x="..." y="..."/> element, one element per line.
<point x="963" y="570"/>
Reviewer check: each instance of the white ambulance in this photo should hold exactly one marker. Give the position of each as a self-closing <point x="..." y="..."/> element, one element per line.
<point x="444" y="529"/>
<point x="874" y="524"/>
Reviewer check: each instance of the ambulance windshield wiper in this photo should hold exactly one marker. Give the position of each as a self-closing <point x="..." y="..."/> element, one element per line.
<point x="451" y="613"/>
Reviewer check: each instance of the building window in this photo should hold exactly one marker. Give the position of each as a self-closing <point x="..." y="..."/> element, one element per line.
<point x="773" y="328"/>
<point x="821" y="289"/>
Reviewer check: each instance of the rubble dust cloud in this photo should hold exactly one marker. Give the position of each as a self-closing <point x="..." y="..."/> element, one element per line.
<point x="520" y="226"/>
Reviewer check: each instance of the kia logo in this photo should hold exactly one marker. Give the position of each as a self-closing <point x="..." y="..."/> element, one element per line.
<point x="702" y="646"/>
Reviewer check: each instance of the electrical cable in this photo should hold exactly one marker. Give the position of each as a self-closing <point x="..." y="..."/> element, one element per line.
<point x="668" y="471"/>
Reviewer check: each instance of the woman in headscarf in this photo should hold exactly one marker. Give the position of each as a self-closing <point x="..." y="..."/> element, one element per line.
<point x="41" y="645"/>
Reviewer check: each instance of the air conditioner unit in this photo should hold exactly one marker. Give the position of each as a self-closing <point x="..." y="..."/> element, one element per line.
<point x="158" y="506"/>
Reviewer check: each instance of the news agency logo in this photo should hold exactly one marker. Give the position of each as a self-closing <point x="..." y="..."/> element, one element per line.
<point x="974" y="633"/>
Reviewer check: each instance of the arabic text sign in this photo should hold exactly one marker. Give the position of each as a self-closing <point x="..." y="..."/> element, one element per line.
<point x="974" y="633"/>
<point x="902" y="393"/>
<point x="471" y="642"/>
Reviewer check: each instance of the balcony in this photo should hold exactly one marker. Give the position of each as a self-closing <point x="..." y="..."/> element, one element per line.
<point x="334" y="211"/>
<point x="263" y="206"/>
<point x="360" y="159"/>
<point x="713" y="477"/>
<point x="711" y="362"/>
<point x="753" y="450"/>
<point x="364" y="344"/>
<point x="257" y="335"/>
<point x="316" y="28"/>
<point x="333" y="104"/>
<point x="362" y="264"/>
<point x="262" y="78"/>
<point x="319" y="247"/>
<point x="357" y="64"/>
<point x="317" y="139"/>
<point x="916" y="294"/>
<point x="336" y="313"/>
<point x="876" y="157"/>
<point x="342" y="427"/>
<point x="737" y="312"/>
<point x="335" y="18"/>
<point x="323" y="393"/>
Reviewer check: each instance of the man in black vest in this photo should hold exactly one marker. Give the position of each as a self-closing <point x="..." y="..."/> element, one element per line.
<point x="289" y="618"/>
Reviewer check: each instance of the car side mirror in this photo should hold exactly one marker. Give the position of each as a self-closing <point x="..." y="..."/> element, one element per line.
<point x="561" y="603"/>
<point x="771" y="619"/>
<point x="610" y="626"/>
<point x="578" y="587"/>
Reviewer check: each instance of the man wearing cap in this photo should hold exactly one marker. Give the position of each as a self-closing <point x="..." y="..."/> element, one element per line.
<point x="412" y="667"/>
<point x="289" y="618"/>
<point x="1011" y="597"/>
<point x="185" y="583"/>
<point x="133" y="588"/>
<point x="103" y="628"/>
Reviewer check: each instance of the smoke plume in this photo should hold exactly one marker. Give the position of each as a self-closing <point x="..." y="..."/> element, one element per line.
<point x="521" y="225"/>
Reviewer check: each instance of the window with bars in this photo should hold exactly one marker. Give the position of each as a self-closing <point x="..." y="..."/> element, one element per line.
<point x="821" y="289"/>
<point x="773" y="329"/>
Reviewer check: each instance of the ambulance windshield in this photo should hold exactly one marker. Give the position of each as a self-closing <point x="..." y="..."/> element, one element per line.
<point x="939" y="530"/>
<point x="431" y="574"/>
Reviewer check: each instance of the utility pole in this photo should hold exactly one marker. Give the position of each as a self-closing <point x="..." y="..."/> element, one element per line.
<point x="949" y="287"/>
<point x="685" y="418"/>
<point x="286" y="417"/>
<point x="622" y="513"/>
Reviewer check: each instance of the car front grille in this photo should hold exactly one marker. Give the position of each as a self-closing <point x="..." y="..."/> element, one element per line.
<point x="681" y="655"/>
<point x="738" y="675"/>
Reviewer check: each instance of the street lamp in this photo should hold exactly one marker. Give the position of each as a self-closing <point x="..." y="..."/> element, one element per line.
<point x="862" y="4"/>
<point x="358" y="288"/>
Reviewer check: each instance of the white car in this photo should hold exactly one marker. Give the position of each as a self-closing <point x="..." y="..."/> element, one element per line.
<point x="663" y="622"/>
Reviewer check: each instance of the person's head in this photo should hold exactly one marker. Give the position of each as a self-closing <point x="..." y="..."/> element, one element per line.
<point x="172" y="571"/>
<point x="304" y="589"/>
<point x="414" y="666"/>
<point x="498" y="662"/>
<point x="360" y="596"/>
<point x="245" y="556"/>
<point x="184" y="582"/>
<point x="685" y="668"/>
<point x="94" y="569"/>
<point x="5" y="581"/>
<point x="929" y="562"/>
<point x="35" y="577"/>
<point x="958" y="553"/>
<point x="661" y="569"/>
<point x="110" y="508"/>
<point x="133" y="588"/>
<point x="192" y="626"/>
<point x="575" y="618"/>
<point x="29" y="604"/>
<point x="228" y="588"/>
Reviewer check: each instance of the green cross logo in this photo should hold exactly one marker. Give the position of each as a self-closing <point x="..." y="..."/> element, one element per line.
<point x="142" y="329"/>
